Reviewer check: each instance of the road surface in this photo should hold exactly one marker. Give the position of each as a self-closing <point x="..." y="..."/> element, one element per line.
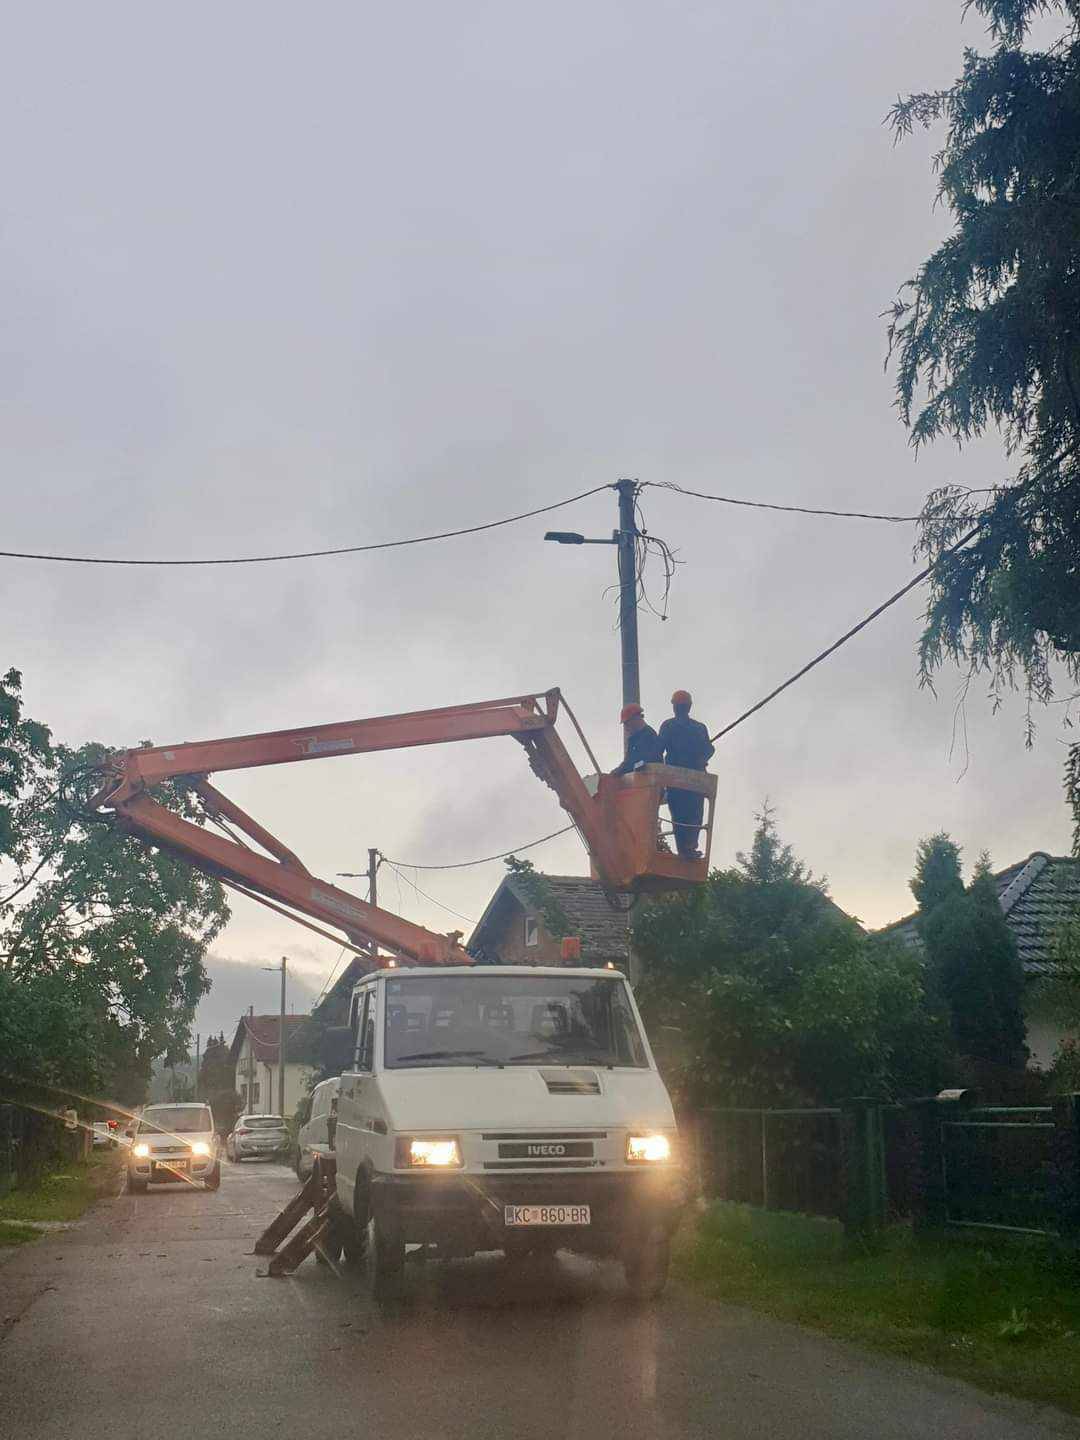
<point x="149" y="1317"/>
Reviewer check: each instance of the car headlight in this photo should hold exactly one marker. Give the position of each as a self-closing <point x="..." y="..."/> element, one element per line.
<point x="140" y="1151"/>
<point x="200" y="1147"/>
<point x="436" y="1154"/>
<point x="647" y="1149"/>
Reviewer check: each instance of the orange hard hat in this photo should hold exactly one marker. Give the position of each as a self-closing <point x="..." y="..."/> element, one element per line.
<point x="629" y="711"/>
<point x="681" y="697"/>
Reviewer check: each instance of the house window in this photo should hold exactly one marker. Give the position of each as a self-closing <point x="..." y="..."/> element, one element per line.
<point x="253" y="1098"/>
<point x="532" y="931"/>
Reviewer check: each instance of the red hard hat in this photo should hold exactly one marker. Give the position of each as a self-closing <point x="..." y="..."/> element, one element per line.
<point x="681" y="697"/>
<point x="629" y="711"/>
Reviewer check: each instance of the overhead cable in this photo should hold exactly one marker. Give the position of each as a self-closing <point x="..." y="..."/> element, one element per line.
<point x="791" y="509"/>
<point x="449" y="908"/>
<point x="308" y="554"/>
<point x="911" y="584"/>
<point x="467" y="864"/>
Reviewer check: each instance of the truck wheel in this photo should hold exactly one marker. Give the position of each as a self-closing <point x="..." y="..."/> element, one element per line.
<point x="647" y="1267"/>
<point x="387" y="1259"/>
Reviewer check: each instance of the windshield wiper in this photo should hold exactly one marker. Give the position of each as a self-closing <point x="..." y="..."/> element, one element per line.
<point x="477" y="1055"/>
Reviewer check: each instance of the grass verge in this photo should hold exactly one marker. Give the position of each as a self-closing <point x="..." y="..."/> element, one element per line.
<point x="12" y="1233"/>
<point x="1005" y="1316"/>
<point x="62" y="1194"/>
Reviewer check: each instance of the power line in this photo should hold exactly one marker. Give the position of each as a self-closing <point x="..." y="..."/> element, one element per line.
<point x="467" y="864"/>
<point x="449" y="908"/>
<point x="1023" y="483"/>
<point x="790" y="509"/>
<point x="309" y="554"/>
<point x="922" y="575"/>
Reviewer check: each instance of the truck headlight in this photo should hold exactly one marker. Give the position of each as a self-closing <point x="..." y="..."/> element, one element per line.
<point x="647" y="1149"/>
<point x="200" y="1147"/>
<point x="140" y="1151"/>
<point x="435" y="1154"/>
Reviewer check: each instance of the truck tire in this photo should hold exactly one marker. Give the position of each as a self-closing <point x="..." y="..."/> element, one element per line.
<point x="387" y="1258"/>
<point x="646" y="1267"/>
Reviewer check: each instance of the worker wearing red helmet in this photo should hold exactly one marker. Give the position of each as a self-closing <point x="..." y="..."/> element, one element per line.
<point x="642" y="741"/>
<point x="685" y="742"/>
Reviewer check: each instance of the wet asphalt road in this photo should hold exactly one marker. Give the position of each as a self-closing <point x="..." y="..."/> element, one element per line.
<point x="149" y="1317"/>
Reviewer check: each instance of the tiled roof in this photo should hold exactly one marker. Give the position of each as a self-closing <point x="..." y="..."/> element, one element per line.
<point x="1036" y="895"/>
<point x="300" y="1033"/>
<point x="603" y="931"/>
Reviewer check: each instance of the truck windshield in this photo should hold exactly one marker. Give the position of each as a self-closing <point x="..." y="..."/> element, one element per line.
<point x="183" y="1120"/>
<point x="510" y="1020"/>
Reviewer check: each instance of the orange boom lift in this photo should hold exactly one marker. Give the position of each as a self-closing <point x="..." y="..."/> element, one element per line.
<point x="617" y="818"/>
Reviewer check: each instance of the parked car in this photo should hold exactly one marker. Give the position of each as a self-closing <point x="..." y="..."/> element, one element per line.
<point x="316" y="1135"/>
<point x="263" y="1135"/>
<point x="174" y="1143"/>
<point x="105" y="1133"/>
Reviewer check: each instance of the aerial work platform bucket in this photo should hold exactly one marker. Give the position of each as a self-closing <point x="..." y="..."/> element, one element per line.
<point x="629" y="806"/>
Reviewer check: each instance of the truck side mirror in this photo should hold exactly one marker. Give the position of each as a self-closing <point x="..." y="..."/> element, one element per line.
<point x="336" y="1051"/>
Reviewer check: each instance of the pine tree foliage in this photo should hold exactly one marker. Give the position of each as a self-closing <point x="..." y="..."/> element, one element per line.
<point x="937" y="872"/>
<point x="986" y="338"/>
<point x="972" y="954"/>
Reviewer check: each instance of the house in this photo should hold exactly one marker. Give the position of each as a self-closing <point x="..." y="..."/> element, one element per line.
<point x="333" y="1007"/>
<point x="1036" y="895"/>
<point x="254" y="1052"/>
<point x="517" y="926"/>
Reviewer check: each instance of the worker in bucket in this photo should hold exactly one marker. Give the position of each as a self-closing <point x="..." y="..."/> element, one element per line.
<point x="642" y="742"/>
<point x="685" y="742"/>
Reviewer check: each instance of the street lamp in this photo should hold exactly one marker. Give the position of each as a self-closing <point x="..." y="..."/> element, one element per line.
<point x="625" y="538"/>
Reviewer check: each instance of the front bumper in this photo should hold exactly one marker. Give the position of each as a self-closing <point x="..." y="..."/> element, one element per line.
<point x="464" y="1213"/>
<point x="175" y="1169"/>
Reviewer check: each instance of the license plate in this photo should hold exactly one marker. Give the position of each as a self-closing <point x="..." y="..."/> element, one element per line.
<point x="516" y="1215"/>
<point x="170" y="1165"/>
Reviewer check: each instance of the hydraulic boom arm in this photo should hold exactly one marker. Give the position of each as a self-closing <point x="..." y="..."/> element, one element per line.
<point x="278" y="875"/>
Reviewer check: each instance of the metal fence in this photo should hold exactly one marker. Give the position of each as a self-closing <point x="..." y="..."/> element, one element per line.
<point x="943" y="1162"/>
<point x="777" y="1159"/>
<point x="1002" y="1168"/>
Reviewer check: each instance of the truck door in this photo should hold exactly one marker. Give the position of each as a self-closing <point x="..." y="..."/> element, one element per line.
<point x="355" y="1101"/>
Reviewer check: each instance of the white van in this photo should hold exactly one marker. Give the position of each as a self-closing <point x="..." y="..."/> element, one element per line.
<point x="315" y="1135"/>
<point x="512" y="1108"/>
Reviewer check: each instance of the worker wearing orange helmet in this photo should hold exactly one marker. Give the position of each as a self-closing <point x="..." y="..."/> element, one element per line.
<point x="642" y="741"/>
<point x="685" y="742"/>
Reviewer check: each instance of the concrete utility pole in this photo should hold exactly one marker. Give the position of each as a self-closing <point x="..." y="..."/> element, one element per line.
<point x="251" y="1057"/>
<point x="198" y="1052"/>
<point x="631" y="681"/>
<point x="281" y="1046"/>
<point x="625" y="538"/>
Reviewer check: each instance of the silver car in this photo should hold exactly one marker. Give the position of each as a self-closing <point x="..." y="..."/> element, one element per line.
<point x="265" y="1136"/>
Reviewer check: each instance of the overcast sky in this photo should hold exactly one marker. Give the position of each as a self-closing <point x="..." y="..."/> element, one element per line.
<point x="281" y="277"/>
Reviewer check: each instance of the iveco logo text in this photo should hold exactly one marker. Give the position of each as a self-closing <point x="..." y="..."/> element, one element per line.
<point x="547" y="1151"/>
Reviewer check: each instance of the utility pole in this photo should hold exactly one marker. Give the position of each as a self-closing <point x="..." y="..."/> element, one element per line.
<point x="251" y="1057"/>
<point x="374" y="860"/>
<point x="281" y="1046"/>
<point x="198" y="1052"/>
<point x="625" y="539"/>
<point x="631" y="681"/>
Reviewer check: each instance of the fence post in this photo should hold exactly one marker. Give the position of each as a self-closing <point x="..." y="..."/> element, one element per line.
<point x="864" y="1169"/>
<point x="932" y="1197"/>
<point x="1067" y="1159"/>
